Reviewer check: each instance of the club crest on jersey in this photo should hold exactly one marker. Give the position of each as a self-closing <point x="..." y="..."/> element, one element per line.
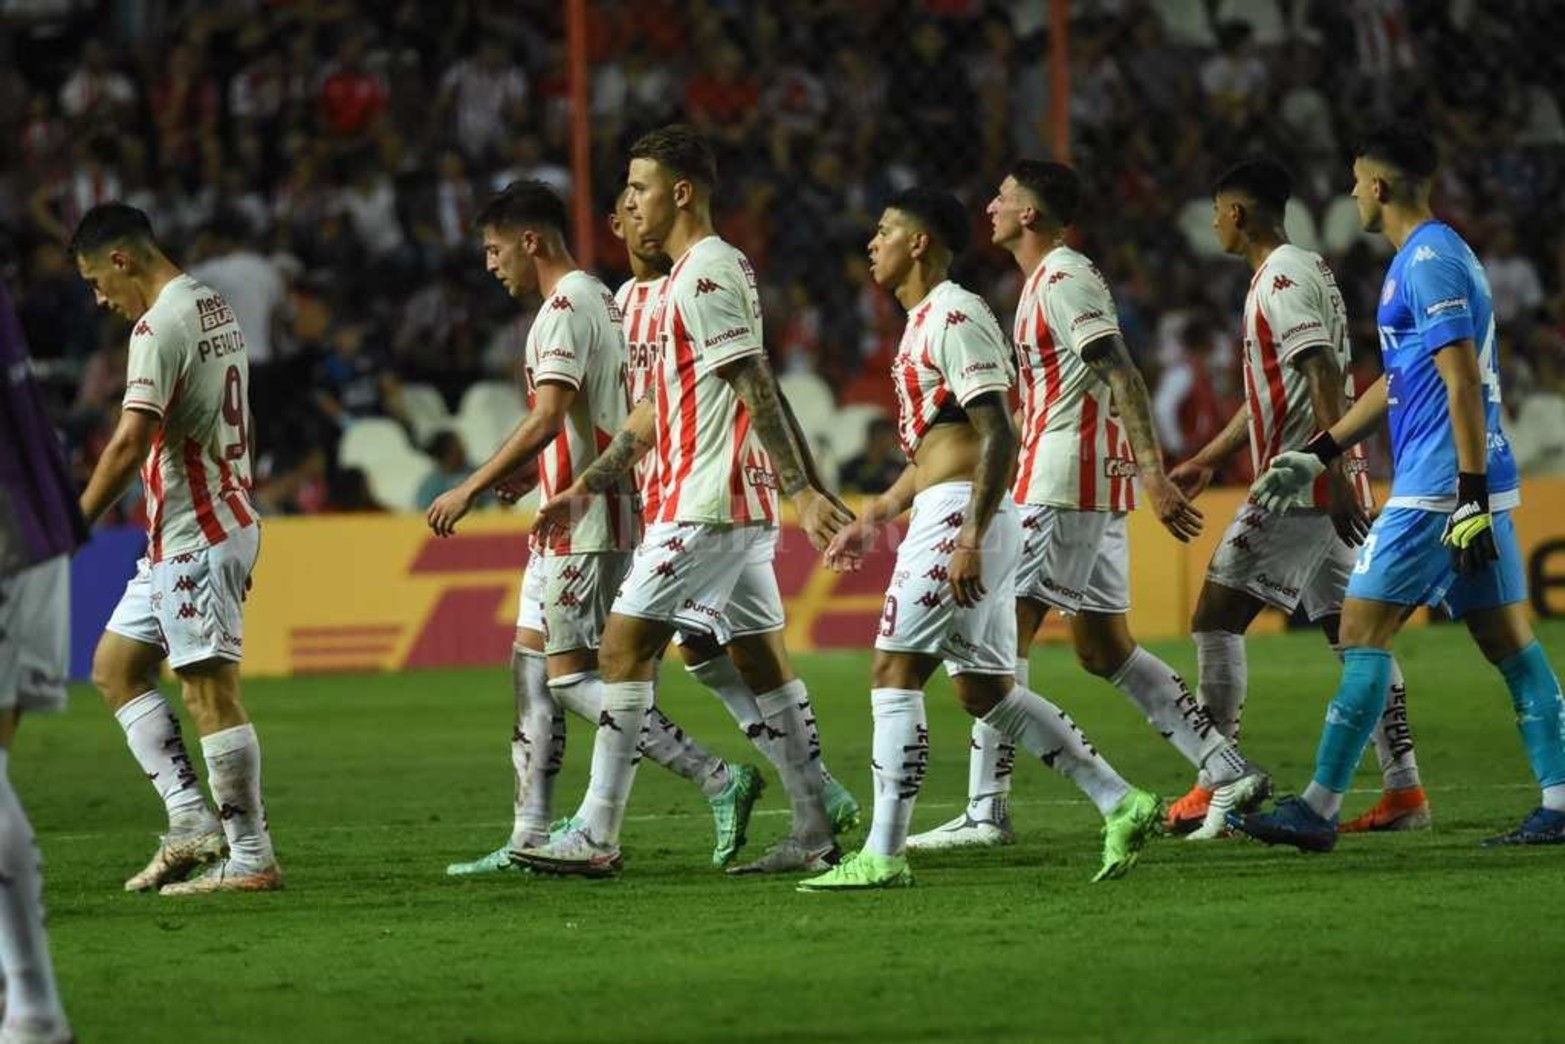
<point x="705" y="286"/>
<point x="1281" y="283"/>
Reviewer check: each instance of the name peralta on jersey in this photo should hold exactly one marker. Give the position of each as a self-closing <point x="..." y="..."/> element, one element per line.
<point x="638" y="303"/>
<point x="187" y="366"/>
<point x="1074" y="453"/>
<point x="1293" y="305"/>
<point x="575" y="340"/>
<point x="710" y="464"/>
<point x="951" y="352"/>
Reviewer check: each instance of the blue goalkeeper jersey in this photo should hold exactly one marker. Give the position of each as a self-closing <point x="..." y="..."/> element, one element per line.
<point x="1435" y="294"/>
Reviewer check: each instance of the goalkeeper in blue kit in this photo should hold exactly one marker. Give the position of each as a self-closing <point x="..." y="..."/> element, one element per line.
<point x="1445" y="536"/>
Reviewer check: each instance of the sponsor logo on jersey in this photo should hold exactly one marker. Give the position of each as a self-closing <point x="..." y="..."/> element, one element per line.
<point x="556" y="353"/>
<point x="705" y="286"/>
<point x="1276" y="585"/>
<point x="979" y="367"/>
<point x="1294" y="331"/>
<point x="726" y="336"/>
<point x="1087" y="317"/>
<point x="1119" y="467"/>
<point x="1281" y="283"/>
<point x="1049" y="584"/>
<point x="761" y="477"/>
<point x="214" y="316"/>
<point x="1450" y="304"/>
<point x="705" y="610"/>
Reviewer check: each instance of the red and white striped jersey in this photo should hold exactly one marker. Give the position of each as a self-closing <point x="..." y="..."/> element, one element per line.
<point x="1074" y="452"/>
<point x="1293" y="304"/>
<point x="188" y="367"/>
<point x="951" y="352"/>
<point x="711" y="467"/>
<point x="637" y="304"/>
<point x="575" y="340"/>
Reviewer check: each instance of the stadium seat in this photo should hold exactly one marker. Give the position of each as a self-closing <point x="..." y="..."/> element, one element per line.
<point x="489" y="412"/>
<point x="1262" y="16"/>
<point x="1186" y="23"/>
<point x="395" y="480"/>
<point x="849" y="429"/>
<point x="371" y="440"/>
<point x="1299" y="223"/>
<point x="426" y="410"/>
<point x="812" y="399"/>
<point x="1195" y="221"/>
<point x="1340" y="229"/>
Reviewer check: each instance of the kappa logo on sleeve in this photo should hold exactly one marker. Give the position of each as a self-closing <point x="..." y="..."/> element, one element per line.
<point x="706" y="286"/>
<point x="1056" y="277"/>
<point x="1281" y="283"/>
<point x="561" y="303"/>
<point x="956" y="318"/>
<point x="143" y="329"/>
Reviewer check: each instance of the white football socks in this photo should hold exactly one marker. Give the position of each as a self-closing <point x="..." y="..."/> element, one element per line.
<point x="1161" y="694"/>
<point x="537" y="748"/>
<point x="672" y="747"/>
<point x="31" y="995"/>
<point x="152" y="732"/>
<point x="1047" y="732"/>
<point x="1222" y="680"/>
<point x="233" y="761"/>
<point x="1394" y="738"/>
<point x="900" y="754"/>
<point x="616" y="750"/>
<point x="990" y="761"/>
<point x="1326" y="803"/>
<point x="723" y="679"/>
<point x="789" y="718"/>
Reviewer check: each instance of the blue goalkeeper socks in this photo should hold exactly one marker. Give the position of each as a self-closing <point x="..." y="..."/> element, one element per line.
<point x="1352" y="715"/>
<point x="1540" y="712"/>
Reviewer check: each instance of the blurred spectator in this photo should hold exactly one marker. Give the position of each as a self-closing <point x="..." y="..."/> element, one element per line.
<point x="348" y="492"/>
<point x="184" y="106"/>
<point x="96" y="91"/>
<point x="251" y="284"/>
<point x="1513" y="279"/>
<point x="352" y="382"/>
<point x="352" y="99"/>
<point x="879" y="466"/>
<point x="434" y="341"/>
<point x="476" y="91"/>
<point x="526" y="162"/>
<point x="1187" y="406"/>
<point x="1537" y="424"/>
<point x="451" y="469"/>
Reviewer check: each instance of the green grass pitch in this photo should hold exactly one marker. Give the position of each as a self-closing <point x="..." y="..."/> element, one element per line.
<point x="375" y="783"/>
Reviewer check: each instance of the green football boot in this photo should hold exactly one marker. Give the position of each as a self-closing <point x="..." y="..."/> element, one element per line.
<point x="1126" y="829"/>
<point x="496" y="862"/>
<point x="731" y="811"/>
<point x="841" y="807"/>
<point x="860" y="872"/>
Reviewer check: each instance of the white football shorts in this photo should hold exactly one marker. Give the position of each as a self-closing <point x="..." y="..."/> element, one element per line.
<point x="716" y="580"/>
<point x="1075" y="561"/>
<point x="191" y="605"/>
<point x="1288" y="561"/>
<point x="35" y="636"/>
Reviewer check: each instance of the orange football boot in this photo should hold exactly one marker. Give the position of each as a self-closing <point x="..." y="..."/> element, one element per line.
<point x="1188" y="812"/>
<point x="1396" y="810"/>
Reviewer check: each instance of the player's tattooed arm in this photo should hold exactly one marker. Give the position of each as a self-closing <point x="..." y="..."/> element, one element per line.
<point x="1110" y="360"/>
<point x="821" y="515"/>
<point x="751" y="379"/>
<point x="1323" y="378"/>
<point x="120" y="461"/>
<point x="632" y="442"/>
<point x="997" y="442"/>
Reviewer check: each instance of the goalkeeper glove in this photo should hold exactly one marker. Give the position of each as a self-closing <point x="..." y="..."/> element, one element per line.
<point x="1469" y="532"/>
<point x="1287" y="481"/>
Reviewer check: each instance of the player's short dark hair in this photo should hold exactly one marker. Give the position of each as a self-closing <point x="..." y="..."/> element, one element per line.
<point x="1405" y="147"/>
<point x="682" y="151"/>
<point x="524" y="203"/>
<point x="1261" y="178"/>
<point x="1055" y="186"/>
<point x="110" y="224"/>
<point x="941" y="214"/>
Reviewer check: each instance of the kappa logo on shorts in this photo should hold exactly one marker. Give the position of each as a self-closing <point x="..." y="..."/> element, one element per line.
<point x="184" y="583"/>
<point x="676" y="544"/>
<point x="1032" y="522"/>
<point x="954" y="519"/>
<point x="1240" y="541"/>
<point x="568" y="600"/>
<point x="186" y="611"/>
<point x="938" y="572"/>
<point x="183" y="559"/>
<point x="929" y="599"/>
<point x="663" y="569"/>
<point x="571" y="572"/>
<point x="945" y="547"/>
<point x="1253" y="519"/>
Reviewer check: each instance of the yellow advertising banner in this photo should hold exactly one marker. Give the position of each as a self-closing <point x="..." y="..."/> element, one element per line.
<point x="380" y="592"/>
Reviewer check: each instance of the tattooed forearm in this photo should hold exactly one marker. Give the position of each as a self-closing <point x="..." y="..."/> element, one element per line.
<point x="751" y="379"/>
<point x="1110" y="360"/>
<point x="806" y="455"/>
<point x="615" y="462"/>
<point x="996" y="454"/>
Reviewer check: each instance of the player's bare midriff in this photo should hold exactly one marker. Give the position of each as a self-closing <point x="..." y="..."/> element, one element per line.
<point x="948" y="453"/>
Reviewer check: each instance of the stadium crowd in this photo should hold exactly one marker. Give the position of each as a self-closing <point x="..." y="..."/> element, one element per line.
<point x="320" y="163"/>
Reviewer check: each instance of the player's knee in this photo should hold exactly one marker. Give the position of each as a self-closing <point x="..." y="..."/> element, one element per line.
<point x="1099" y="660"/>
<point x="981" y="694"/>
<point x="117" y="680"/>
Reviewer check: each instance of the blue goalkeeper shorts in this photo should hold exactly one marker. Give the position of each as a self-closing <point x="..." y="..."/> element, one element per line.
<point x="1403" y="562"/>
